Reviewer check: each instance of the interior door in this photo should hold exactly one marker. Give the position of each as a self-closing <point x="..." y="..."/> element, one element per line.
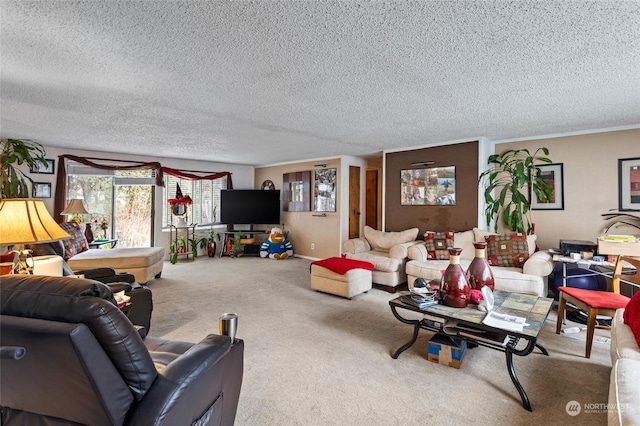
<point x="354" y="202"/>
<point x="371" y="198"/>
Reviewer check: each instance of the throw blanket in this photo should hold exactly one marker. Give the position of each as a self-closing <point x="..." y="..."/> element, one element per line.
<point x="342" y="265"/>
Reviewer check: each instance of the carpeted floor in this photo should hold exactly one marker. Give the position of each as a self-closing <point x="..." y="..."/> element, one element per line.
<point x="317" y="359"/>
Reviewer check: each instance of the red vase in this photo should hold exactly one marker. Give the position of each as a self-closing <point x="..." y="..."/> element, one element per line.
<point x="454" y="287"/>
<point x="88" y="232"/>
<point x="479" y="273"/>
<point x="211" y="248"/>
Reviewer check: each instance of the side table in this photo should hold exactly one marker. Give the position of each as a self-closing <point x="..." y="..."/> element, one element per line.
<point x="100" y="243"/>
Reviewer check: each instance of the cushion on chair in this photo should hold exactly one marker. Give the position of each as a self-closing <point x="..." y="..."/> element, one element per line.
<point x="383" y="241"/>
<point x="597" y="299"/>
<point x="507" y="249"/>
<point x="77" y="243"/>
<point x="438" y="244"/>
<point x="632" y="316"/>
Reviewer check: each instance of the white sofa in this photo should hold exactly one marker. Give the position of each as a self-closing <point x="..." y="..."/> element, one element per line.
<point x="387" y="251"/>
<point x="531" y="278"/>
<point x="624" y="387"/>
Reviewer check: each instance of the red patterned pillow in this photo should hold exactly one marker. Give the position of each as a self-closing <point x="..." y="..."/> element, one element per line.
<point x="77" y="243"/>
<point x="507" y="249"/>
<point x="438" y="244"/>
<point x="632" y="316"/>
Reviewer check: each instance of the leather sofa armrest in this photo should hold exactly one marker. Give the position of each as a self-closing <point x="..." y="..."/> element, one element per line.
<point x="118" y="287"/>
<point x="539" y="263"/>
<point x="190" y="385"/>
<point x="356" y="245"/>
<point x="418" y="252"/>
<point x="401" y="251"/>
<point x="106" y="275"/>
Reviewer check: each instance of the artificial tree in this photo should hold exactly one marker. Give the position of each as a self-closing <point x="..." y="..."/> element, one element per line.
<point x="515" y="176"/>
<point x="16" y="152"/>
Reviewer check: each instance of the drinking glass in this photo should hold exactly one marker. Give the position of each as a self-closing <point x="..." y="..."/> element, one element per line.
<point x="229" y="325"/>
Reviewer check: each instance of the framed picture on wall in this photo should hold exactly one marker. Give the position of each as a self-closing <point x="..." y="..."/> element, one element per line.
<point x="41" y="190"/>
<point x="324" y="190"/>
<point x="40" y="168"/>
<point x="629" y="184"/>
<point x="554" y="176"/>
<point x="428" y="187"/>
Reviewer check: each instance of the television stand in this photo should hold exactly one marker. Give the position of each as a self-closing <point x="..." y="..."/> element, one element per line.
<point x="249" y="249"/>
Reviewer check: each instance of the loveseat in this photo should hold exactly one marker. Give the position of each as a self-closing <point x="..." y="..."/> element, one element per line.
<point x="387" y="251"/>
<point x="624" y="387"/>
<point x="145" y="263"/>
<point x="530" y="277"/>
<point x="85" y="363"/>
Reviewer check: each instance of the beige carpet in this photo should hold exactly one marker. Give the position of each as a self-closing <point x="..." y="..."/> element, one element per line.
<point x="317" y="359"/>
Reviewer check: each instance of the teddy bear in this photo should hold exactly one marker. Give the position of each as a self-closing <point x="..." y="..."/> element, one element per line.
<point x="276" y="246"/>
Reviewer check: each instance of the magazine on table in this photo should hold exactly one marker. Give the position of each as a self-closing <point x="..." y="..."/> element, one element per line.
<point x="504" y="321"/>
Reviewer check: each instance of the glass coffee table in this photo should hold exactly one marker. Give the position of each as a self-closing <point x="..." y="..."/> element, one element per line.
<point x="466" y="323"/>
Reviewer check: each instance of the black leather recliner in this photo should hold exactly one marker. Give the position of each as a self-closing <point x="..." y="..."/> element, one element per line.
<point x="86" y="364"/>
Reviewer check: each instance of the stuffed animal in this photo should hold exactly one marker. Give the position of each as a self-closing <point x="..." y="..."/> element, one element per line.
<point x="276" y="246"/>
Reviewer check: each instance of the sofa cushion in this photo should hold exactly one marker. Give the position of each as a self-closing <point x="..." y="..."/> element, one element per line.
<point x="623" y="342"/>
<point x="77" y="243"/>
<point x="632" y="316"/>
<point x="507" y="249"/>
<point x="383" y="241"/>
<point x="624" y="408"/>
<point x="465" y="240"/>
<point x="438" y="244"/>
<point x="481" y="235"/>
<point x="380" y="262"/>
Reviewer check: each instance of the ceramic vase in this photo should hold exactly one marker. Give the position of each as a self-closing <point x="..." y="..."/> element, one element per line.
<point x="454" y="286"/>
<point x="88" y="232"/>
<point x="211" y="248"/>
<point x="479" y="272"/>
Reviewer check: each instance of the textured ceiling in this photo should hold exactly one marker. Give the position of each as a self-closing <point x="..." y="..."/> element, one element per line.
<point x="263" y="82"/>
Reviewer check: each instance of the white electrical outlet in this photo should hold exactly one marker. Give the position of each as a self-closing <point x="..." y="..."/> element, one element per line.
<point x="313" y="246"/>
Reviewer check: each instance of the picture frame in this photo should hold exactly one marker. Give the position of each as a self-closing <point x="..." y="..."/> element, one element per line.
<point x="39" y="168"/>
<point x="324" y="190"/>
<point x="42" y="190"/>
<point x="629" y="184"/>
<point x="553" y="174"/>
<point x="434" y="186"/>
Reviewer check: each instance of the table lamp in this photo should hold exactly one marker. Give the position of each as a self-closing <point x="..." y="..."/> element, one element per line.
<point x="27" y="221"/>
<point x="76" y="208"/>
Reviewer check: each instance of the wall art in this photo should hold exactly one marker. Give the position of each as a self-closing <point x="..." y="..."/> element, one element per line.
<point x="428" y="187"/>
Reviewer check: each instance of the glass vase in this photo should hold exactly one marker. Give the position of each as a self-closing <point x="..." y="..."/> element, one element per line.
<point x="479" y="272"/>
<point x="454" y="286"/>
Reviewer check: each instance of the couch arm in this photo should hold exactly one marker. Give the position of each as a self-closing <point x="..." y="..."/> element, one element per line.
<point x="401" y="251"/>
<point x="356" y="245"/>
<point x="202" y="383"/>
<point x="418" y="252"/>
<point x="539" y="263"/>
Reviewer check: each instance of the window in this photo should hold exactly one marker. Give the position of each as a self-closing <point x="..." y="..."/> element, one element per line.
<point x="205" y="196"/>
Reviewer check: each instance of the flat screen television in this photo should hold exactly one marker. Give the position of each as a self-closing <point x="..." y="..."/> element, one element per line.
<point x="249" y="206"/>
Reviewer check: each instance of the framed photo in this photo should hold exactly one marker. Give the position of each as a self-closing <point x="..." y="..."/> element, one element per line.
<point x="629" y="184"/>
<point x="552" y="174"/>
<point x="324" y="190"/>
<point x="42" y="190"/>
<point x="428" y="187"/>
<point x="40" y="168"/>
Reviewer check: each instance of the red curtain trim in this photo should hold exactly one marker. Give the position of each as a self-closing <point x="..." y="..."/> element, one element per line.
<point x="191" y="174"/>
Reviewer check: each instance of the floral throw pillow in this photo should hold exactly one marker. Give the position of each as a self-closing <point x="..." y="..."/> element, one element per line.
<point x="77" y="243"/>
<point x="507" y="249"/>
<point x="438" y="244"/>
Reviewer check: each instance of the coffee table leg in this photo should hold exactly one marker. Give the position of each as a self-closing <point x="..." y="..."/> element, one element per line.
<point x="542" y="349"/>
<point x="512" y="373"/>
<point x="416" y="328"/>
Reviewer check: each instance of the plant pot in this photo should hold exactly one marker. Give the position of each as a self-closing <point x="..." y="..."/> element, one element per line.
<point x="211" y="248"/>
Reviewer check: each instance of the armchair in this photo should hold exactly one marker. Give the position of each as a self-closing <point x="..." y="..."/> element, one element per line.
<point x="86" y="364"/>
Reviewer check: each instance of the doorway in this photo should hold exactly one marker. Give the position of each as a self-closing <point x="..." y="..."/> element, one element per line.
<point x="354" y="202"/>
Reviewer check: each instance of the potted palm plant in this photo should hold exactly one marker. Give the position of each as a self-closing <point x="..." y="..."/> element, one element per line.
<point x="16" y="152"/>
<point x="512" y="178"/>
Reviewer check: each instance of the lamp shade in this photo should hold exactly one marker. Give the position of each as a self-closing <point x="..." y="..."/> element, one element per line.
<point x="27" y="221"/>
<point x="76" y="206"/>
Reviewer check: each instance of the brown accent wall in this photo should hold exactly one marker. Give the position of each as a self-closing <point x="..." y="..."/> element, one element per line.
<point x="461" y="217"/>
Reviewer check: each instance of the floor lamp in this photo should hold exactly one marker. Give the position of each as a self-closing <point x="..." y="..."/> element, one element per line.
<point x="27" y="221"/>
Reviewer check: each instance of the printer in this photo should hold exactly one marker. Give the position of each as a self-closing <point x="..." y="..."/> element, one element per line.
<point x="575" y="246"/>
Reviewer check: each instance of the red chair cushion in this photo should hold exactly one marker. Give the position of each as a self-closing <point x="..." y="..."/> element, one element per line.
<point x="632" y="316"/>
<point x="597" y="299"/>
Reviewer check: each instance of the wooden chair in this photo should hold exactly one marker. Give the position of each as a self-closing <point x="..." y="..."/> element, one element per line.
<point x="594" y="302"/>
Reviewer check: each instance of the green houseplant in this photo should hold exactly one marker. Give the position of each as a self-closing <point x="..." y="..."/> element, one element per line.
<point x="16" y="152"/>
<point x="177" y="246"/>
<point x="196" y="242"/>
<point x="513" y="177"/>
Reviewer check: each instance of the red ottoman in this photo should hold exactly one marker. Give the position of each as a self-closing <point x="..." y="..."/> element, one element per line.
<point x="341" y="276"/>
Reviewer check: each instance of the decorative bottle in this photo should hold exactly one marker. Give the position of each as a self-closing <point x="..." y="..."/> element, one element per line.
<point x="88" y="232"/>
<point x="454" y="286"/>
<point x="479" y="272"/>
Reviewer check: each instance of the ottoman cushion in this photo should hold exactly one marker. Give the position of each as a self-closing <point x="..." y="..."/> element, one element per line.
<point x="355" y="279"/>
